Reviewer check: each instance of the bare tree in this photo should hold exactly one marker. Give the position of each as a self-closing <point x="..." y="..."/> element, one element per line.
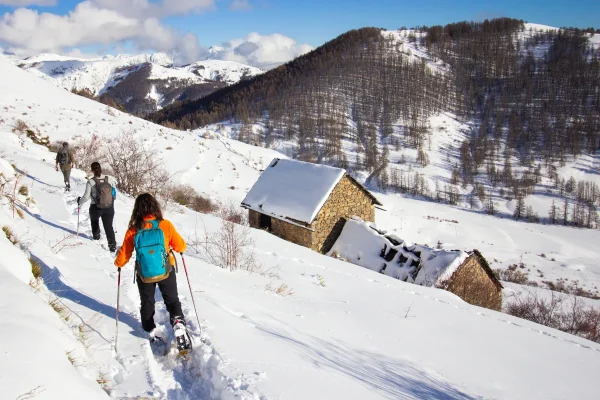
<point x="137" y="168"/>
<point x="553" y="213"/>
<point x="231" y="247"/>
<point x="87" y="150"/>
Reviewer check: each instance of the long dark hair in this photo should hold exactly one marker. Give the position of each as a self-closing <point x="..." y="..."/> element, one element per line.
<point x="145" y="205"/>
<point x="96" y="169"/>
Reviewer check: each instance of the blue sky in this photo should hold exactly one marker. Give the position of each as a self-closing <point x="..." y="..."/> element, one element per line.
<point x="262" y="33"/>
<point x="316" y="21"/>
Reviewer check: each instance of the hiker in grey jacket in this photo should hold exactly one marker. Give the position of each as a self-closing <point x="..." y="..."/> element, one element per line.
<point x="102" y="191"/>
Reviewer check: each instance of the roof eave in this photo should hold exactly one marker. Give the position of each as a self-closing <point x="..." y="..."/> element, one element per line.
<point x="279" y="217"/>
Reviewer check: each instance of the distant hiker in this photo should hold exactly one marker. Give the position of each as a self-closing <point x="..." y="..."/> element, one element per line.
<point x="102" y="190"/>
<point x="152" y="238"/>
<point x="64" y="159"/>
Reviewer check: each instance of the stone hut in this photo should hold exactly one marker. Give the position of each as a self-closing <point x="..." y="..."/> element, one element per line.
<point x="306" y="203"/>
<point x="475" y="282"/>
<point x="466" y="274"/>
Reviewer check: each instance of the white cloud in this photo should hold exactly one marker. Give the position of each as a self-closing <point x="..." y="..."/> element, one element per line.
<point x="29" y="32"/>
<point x="86" y="24"/>
<point x="240" y="5"/>
<point x="263" y="51"/>
<point x="146" y="9"/>
<point x="23" y="3"/>
<point x="106" y="23"/>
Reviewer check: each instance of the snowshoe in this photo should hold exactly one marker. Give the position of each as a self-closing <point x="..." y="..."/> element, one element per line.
<point x="182" y="337"/>
<point x="158" y="344"/>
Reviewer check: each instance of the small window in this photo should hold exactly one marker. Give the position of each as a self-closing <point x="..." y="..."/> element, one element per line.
<point x="265" y="222"/>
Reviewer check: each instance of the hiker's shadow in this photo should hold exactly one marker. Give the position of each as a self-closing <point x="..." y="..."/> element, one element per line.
<point x="36" y="179"/>
<point x="54" y="281"/>
<point x="52" y="224"/>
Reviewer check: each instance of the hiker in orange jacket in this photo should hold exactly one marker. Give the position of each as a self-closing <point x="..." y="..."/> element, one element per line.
<point x="145" y="211"/>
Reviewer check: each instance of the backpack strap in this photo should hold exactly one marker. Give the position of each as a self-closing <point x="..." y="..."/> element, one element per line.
<point x="174" y="258"/>
<point x="152" y="222"/>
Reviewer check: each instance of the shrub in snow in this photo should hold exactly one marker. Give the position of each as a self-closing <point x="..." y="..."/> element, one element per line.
<point x="20" y="126"/>
<point x="10" y="235"/>
<point x="231" y="247"/>
<point x="231" y="212"/>
<point x="37" y="138"/>
<point x="512" y="274"/>
<point x="185" y="195"/>
<point x="566" y="313"/>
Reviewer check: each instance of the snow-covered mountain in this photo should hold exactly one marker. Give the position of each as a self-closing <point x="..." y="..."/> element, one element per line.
<point x="141" y="83"/>
<point x="303" y="326"/>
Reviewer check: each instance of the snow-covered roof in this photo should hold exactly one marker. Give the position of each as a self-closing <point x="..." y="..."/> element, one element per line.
<point x="363" y="244"/>
<point x="290" y="189"/>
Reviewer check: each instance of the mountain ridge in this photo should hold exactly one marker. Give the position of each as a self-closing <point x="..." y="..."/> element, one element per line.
<point x="140" y="83"/>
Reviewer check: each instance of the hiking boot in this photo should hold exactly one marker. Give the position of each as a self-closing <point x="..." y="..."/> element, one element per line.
<point x="96" y="236"/>
<point x="182" y="337"/>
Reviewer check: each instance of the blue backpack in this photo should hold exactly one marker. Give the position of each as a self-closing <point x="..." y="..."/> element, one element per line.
<point x="152" y="260"/>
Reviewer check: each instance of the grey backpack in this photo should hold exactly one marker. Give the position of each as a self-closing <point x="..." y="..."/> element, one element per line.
<point x="104" y="193"/>
<point x="63" y="155"/>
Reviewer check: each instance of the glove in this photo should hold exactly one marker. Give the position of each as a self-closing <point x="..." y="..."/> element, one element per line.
<point x="57" y="167"/>
<point x="78" y="200"/>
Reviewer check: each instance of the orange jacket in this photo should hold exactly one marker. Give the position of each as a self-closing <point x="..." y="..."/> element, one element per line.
<point x="172" y="240"/>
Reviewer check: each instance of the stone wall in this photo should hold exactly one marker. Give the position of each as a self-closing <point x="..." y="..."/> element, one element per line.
<point x="347" y="200"/>
<point x="284" y="230"/>
<point x="254" y="219"/>
<point x="291" y="232"/>
<point x="472" y="284"/>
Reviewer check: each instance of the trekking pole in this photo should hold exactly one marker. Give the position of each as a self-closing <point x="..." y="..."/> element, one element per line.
<point x="191" y="292"/>
<point x="78" y="208"/>
<point x="117" y="318"/>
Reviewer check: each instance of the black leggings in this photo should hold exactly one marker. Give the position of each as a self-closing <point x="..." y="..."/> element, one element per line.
<point x="168" y="288"/>
<point x="107" y="215"/>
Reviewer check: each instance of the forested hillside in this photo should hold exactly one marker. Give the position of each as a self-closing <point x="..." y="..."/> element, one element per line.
<point x="528" y="100"/>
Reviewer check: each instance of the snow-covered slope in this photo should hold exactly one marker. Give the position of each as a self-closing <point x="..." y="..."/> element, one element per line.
<point x="345" y="332"/>
<point x="94" y="74"/>
<point x="228" y="72"/>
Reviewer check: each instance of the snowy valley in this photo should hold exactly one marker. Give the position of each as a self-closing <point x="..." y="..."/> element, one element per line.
<point x="301" y="325"/>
